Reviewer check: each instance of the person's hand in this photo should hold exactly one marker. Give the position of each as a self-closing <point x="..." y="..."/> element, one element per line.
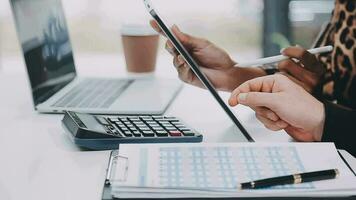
<point x="280" y="104"/>
<point x="307" y="71"/>
<point x="214" y="62"/>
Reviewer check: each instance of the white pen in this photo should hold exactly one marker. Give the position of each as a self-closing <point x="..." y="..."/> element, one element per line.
<point x="275" y="59"/>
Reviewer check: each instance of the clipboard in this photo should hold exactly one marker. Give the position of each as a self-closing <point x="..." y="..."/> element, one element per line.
<point x="116" y="159"/>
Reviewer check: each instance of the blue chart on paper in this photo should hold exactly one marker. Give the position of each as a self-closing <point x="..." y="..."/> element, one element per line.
<point x="225" y="167"/>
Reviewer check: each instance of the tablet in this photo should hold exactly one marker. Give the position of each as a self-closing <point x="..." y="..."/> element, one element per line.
<point x="195" y="68"/>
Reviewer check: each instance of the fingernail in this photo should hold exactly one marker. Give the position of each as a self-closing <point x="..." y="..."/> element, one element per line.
<point x="297" y="45"/>
<point x="242" y="97"/>
<point x="180" y="59"/>
<point x="282" y="50"/>
<point x="176" y="27"/>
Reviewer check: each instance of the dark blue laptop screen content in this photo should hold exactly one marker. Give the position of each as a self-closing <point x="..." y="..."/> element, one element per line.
<point x="44" y="38"/>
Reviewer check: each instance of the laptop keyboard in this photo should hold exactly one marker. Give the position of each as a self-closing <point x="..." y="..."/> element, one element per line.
<point x="93" y="93"/>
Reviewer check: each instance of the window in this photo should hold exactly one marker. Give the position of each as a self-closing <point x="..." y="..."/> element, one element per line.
<point x="94" y="25"/>
<point x="307" y="18"/>
<point x="235" y="25"/>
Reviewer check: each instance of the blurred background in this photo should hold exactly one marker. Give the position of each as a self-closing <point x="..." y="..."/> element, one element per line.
<point x="246" y="28"/>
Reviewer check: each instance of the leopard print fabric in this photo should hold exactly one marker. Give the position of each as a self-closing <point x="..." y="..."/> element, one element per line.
<point x="339" y="82"/>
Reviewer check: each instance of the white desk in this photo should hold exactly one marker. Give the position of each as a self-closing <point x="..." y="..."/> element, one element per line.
<point x="39" y="162"/>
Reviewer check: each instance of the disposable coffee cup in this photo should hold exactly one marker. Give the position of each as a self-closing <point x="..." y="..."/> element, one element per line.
<point x="140" y="44"/>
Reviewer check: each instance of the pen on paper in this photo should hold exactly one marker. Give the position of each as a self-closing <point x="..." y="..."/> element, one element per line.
<point x="291" y="179"/>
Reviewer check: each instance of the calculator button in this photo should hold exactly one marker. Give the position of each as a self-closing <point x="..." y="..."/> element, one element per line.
<point x="158" y="117"/>
<point x="151" y="122"/>
<point x="172" y="129"/>
<point x="124" y="129"/>
<point x="146" y="118"/>
<point x="172" y="119"/>
<point x="148" y="134"/>
<point x="166" y="124"/>
<point x="161" y="133"/>
<point x="108" y="131"/>
<point x="158" y="128"/>
<point x="145" y="129"/>
<point x="142" y="126"/>
<point x="113" y="120"/>
<point x="188" y="133"/>
<point x="122" y="126"/>
<point x="175" y="133"/>
<point x="155" y="125"/>
<point x="184" y="129"/>
<point x="179" y="125"/>
<point x="128" y="133"/>
<point x="119" y="123"/>
<point x="164" y="120"/>
<point x="117" y="132"/>
<point x="136" y="133"/>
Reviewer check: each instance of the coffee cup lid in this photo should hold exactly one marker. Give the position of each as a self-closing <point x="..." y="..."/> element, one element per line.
<point x="137" y="30"/>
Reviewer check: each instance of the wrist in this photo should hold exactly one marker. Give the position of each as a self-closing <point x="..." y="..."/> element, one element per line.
<point x="239" y="75"/>
<point x="230" y="80"/>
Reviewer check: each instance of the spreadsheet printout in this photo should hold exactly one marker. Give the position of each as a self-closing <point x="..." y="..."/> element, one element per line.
<point x="219" y="168"/>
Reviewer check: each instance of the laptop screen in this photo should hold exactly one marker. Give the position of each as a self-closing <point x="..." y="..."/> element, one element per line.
<point x="45" y="42"/>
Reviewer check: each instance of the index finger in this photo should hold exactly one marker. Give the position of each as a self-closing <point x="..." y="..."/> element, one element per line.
<point x="156" y="27"/>
<point x="261" y="84"/>
<point x="305" y="57"/>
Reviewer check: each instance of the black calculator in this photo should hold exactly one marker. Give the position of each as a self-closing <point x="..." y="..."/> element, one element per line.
<point x="103" y="132"/>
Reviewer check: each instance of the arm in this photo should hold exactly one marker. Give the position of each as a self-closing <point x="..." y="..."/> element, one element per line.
<point x="340" y="127"/>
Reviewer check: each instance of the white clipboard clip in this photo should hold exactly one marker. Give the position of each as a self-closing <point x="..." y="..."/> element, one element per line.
<point x="117" y="169"/>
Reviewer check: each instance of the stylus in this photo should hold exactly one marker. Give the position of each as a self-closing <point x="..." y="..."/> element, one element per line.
<point x="275" y="59"/>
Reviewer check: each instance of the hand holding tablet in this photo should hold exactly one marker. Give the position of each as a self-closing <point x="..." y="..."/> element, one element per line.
<point x="194" y="67"/>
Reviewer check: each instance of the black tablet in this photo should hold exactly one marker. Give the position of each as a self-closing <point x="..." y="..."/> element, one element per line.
<point x="195" y="68"/>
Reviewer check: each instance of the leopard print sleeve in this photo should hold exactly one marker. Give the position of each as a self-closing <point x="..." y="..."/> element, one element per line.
<point x="339" y="83"/>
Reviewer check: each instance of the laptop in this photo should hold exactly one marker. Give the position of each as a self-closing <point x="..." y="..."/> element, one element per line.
<point x="48" y="54"/>
<point x="195" y="68"/>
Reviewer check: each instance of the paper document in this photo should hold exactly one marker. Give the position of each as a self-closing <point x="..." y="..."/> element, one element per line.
<point x="215" y="170"/>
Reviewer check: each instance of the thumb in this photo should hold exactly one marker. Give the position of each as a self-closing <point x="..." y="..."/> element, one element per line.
<point x="185" y="39"/>
<point x="258" y="99"/>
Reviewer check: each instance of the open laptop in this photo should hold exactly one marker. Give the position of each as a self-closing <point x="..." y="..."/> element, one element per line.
<point x="195" y="68"/>
<point x="47" y="50"/>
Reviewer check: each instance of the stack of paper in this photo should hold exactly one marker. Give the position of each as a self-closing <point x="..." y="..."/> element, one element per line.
<point x="215" y="170"/>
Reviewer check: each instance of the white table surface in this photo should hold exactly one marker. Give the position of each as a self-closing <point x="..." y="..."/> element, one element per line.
<point x="38" y="161"/>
